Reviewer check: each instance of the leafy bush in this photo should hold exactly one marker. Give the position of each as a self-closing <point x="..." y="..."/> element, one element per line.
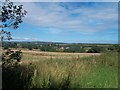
<point x="10" y="58"/>
<point x="96" y="49"/>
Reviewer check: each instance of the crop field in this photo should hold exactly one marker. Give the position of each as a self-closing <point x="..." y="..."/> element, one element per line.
<point x="65" y="70"/>
<point x="38" y="56"/>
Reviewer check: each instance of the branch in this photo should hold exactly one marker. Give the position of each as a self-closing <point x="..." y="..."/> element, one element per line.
<point x="1" y="26"/>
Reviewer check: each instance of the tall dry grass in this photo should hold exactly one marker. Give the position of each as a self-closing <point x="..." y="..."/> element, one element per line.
<point x="64" y="73"/>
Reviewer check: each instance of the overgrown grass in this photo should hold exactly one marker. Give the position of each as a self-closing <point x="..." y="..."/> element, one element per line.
<point x="87" y="72"/>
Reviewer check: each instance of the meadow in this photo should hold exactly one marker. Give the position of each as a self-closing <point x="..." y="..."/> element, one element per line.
<point x="64" y="70"/>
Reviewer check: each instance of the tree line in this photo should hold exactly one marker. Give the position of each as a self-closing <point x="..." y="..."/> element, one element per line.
<point x="53" y="47"/>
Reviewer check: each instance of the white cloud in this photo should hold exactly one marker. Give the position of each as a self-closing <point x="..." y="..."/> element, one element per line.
<point x="53" y="15"/>
<point x="24" y="39"/>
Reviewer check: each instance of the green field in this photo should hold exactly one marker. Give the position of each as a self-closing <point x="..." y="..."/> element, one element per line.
<point x="64" y="70"/>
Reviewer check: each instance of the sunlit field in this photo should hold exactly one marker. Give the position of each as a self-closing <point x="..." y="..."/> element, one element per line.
<point x="65" y="70"/>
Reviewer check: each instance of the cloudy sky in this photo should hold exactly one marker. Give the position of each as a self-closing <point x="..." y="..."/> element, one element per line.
<point x="74" y="22"/>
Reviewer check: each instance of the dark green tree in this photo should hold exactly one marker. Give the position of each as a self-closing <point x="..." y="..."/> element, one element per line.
<point x="96" y="49"/>
<point x="11" y="16"/>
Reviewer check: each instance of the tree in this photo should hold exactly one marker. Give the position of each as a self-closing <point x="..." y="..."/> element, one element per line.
<point x="96" y="49"/>
<point x="10" y="16"/>
<point x="75" y="48"/>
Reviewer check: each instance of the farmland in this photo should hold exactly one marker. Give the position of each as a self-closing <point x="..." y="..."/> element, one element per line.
<point x="64" y="70"/>
<point x="37" y="55"/>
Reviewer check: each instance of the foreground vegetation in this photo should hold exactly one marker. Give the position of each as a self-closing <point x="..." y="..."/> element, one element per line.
<point x="64" y="73"/>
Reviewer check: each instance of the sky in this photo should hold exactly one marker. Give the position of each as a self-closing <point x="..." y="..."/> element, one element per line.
<point x="69" y="22"/>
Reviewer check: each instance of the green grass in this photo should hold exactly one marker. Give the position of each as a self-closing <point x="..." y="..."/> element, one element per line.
<point x="87" y="72"/>
<point x="101" y="77"/>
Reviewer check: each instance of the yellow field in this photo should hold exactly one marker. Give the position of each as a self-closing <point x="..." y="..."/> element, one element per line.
<point x="65" y="70"/>
<point x="39" y="55"/>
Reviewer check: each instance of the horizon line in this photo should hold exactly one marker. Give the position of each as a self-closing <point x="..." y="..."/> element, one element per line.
<point x="63" y="42"/>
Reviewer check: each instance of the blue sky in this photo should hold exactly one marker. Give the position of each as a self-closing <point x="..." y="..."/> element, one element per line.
<point x="72" y="22"/>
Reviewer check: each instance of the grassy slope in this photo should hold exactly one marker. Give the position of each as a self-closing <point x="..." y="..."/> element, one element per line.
<point x="76" y="72"/>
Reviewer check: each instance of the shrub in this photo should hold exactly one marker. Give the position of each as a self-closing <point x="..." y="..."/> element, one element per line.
<point x="96" y="49"/>
<point x="10" y="58"/>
